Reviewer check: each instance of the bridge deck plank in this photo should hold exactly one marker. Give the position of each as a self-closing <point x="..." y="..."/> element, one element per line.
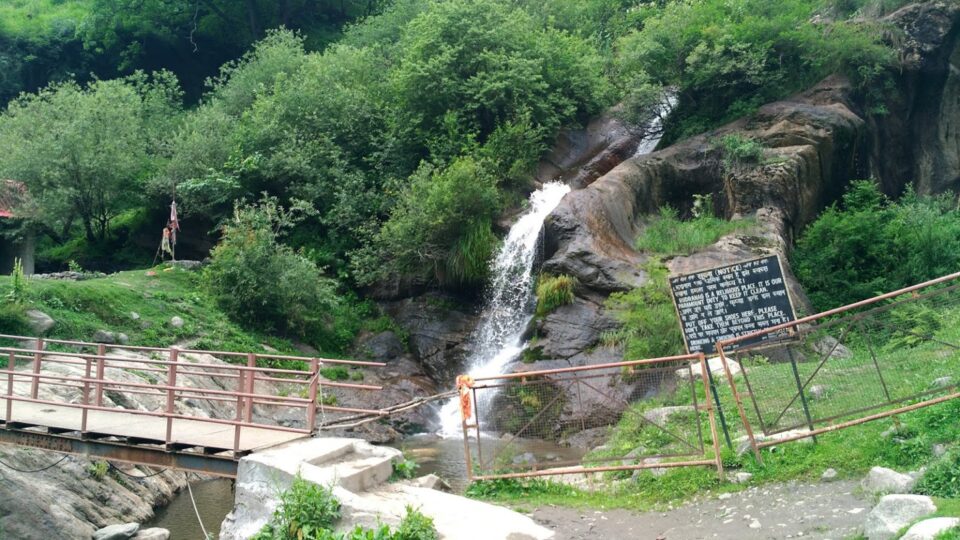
<point x="123" y="424"/>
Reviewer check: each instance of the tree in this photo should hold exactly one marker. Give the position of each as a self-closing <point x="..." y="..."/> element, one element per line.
<point x="84" y="152"/>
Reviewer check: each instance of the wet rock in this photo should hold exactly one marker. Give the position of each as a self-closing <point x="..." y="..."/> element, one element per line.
<point x="39" y="321"/>
<point x="883" y="480"/>
<point x="573" y="329"/>
<point x="382" y="347"/>
<point x="894" y="512"/>
<point x="104" y="336"/>
<point x="928" y="529"/>
<point x="587" y="439"/>
<point x="526" y="458"/>
<point x="117" y="532"/>
<point x="438" y="329"/>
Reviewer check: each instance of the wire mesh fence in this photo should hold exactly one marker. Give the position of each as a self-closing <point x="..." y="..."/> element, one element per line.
<point x="647" y="414"/>
<point x="872" y="359"/>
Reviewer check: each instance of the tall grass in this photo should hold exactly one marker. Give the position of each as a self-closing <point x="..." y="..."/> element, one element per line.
<point x="554" y="291"/>
<point x="667" y="235"/>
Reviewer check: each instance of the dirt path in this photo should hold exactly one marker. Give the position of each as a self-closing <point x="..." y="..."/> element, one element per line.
<point x="820" y="511"/>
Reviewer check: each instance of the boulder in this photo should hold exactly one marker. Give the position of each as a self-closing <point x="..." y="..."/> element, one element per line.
<point x="715" y="365"/>
<point x="153" y="533"/>
<point x="134" y="316"/>
<point x="104" y="336"/>
<point x="431" y="481"/>
<point x="741" y="478"/>
<point x="895" y="512"/>
<point x="117" y="532"/>
<point x="818" y="391"/>
<point x="828" y="345"/>
<point x="828" y="475"/>
<point x="39" y="321"/>
<point x="943" y="382"/>
<point x="122" y="338"/>
<point x="438" y="329"/>
<point x="176" y="322"/>
<point x="883" y="480"/>
<point x="382" y="347"/>
<point x="928" y="529"/>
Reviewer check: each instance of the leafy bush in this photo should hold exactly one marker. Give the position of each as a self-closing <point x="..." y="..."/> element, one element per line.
<point x="942" y="479"/>
<point x="306" y="511"/>
<point x="404" y="469"/>
<point x="335" y="373"/>
<point x="870" y="245"/>
<point x="12" y="320"/>
<point x="667" y="235"/>
<point x="266" y="285"/>
<point x="554" y="291"/>
<point x="650" y="325"/>
<point x="310" y="512"/>
<point x="739" y="150"/>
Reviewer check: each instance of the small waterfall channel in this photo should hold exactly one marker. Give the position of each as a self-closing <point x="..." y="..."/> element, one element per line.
<point x="510" y="299"/>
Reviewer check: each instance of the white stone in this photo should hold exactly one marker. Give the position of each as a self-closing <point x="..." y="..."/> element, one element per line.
<point x="176" y="322"/>
<point x="741" y="478"/>
<point x="661" y="415"/>
<point x="154" y="533"/>
<point x="818" y="391"/>
<point x="431" y="481"/>
<point x="755" y="524"/>
<point x="117" y="532"/>
<point x="134" y="316"/>
<point x="715" y="365"/>
<point x="743" y="443"/>
<point x="883" y="480"/>
<point x="39" y="321"/>
<point x="829" y="475"/>
<point x="943" y="382"/>
<point x="928" y="529"/>
<point x="895" y="512"/>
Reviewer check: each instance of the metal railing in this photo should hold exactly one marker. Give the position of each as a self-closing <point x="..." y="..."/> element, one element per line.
<point x="655" y="409"/>
<point x="238" y="394"/>
<point x="873" y="359"/>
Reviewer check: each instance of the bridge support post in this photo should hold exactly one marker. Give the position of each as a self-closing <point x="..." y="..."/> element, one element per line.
<point x="312" y="406"/>
<point x="11" y="366"/>
<point x="37" y="359"/>
<point x="241" y="384"/>
<point x="251" y="377"/>
<point x="171" y="393"/>
<point x="101" y="367"/>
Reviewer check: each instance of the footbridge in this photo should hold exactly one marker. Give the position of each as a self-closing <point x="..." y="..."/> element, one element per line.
<point x="193" y="410"/>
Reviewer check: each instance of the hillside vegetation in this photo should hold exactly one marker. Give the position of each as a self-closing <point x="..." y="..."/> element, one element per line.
<point x="406" y="133"/>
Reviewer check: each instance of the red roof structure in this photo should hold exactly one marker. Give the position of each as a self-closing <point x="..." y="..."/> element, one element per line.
<point x="11" y="195"/>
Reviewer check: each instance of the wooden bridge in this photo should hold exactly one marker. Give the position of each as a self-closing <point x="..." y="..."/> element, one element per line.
<point x="186" y="409"/>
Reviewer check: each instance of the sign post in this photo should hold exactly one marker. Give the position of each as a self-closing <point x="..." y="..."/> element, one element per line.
<point x="727" y="302"/>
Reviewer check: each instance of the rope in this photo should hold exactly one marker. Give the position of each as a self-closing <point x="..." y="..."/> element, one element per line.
<point x="195" y="511"/>
<point x="7" y="465"/>
<point x="360" y="419"/>
<point x="134" y="476"/>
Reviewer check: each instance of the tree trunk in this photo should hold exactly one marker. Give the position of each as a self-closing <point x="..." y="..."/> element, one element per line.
<point x="252" y="17"/>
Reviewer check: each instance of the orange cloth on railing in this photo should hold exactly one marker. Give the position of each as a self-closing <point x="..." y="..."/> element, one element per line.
<point x="464" y="384"/>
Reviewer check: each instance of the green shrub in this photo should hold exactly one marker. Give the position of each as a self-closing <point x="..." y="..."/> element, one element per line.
<point x="98" y="470"/>
<point x="952" y="534"/>
<point x="404" y="469"/>
<point x="870" y="245"/>
<point x="18" y="284"/>
<point x="650" y="325"/>
<point x="942" y="478"/>
<point x="335" y="373"/>
<point x="12" y="320"/>
<point x="667" y="235"/>
<point x="554" y="291"/>
<point x="739" y="151"/>
<point x="266" y="285"/>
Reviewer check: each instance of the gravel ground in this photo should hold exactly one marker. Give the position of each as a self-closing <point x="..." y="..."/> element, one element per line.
<point x="822" y="511"/>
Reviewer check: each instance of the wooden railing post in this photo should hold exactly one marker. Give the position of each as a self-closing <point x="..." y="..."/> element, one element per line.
<point x="11" y="365"/>
<point x="37" y="359"/>
<point x="86" y="396"/>
<point x="171" y="393"/>
<point x="241" y="384"/>
<point x="314" y="383"/>
<point x="101" y="370"/>
<point x="251" y="378"/>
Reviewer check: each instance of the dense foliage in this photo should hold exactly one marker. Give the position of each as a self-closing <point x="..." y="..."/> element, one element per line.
<point x="869" y="245"/>
<point x="408" y="125"/>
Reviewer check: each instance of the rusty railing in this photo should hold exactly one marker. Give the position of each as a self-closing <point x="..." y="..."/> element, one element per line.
<point x="625" y="416"/>
<point x="238" y="394"/>
<point x="873" y="359"/>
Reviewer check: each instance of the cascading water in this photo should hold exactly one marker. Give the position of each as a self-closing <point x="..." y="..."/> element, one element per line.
<point x="510" y="301"/>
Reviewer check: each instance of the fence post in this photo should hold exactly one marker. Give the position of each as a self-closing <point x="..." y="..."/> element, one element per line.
<point x="241" y="384"/>
<point x="86" y="396"/>
<point x="171" y="393"/>
<point x="37" y="359"/>
<point x="312" y="406"/>
<point x="11" y="366"/>
<point x="716" y="399"/>
<point x="803" y="396"/>
<point x="101" y="368"/>
<point x="251" y="377"/>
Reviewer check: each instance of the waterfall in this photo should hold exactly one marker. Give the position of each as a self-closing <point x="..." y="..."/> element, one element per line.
<point x="510" y="298"/>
